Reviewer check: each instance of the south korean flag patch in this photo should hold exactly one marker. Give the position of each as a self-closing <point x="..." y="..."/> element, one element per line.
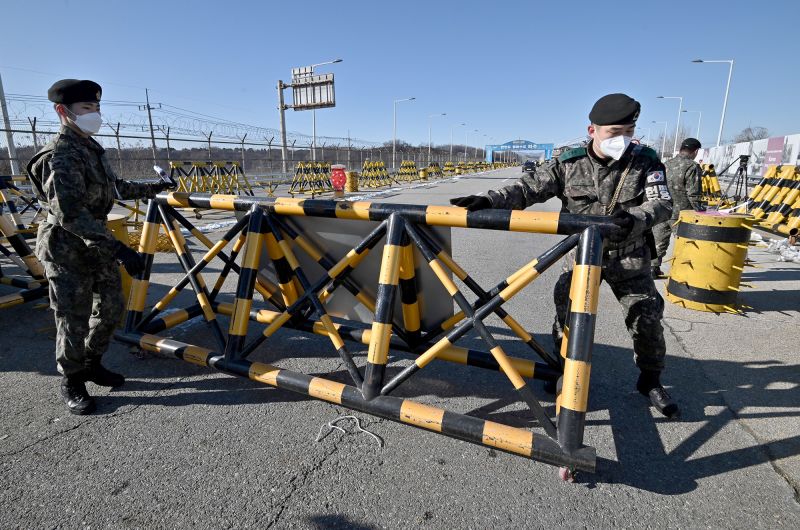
<point x="656" y="186"/>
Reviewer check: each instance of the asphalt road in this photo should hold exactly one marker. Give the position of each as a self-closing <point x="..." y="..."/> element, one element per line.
<point x="181" y="446"/>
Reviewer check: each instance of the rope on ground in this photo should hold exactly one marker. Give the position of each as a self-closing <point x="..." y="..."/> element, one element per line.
<point x="331" y="425"/>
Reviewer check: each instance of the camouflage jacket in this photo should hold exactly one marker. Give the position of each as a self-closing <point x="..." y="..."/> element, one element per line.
<point x="684" y="178"/>
<point x="75" y="182"/>
<point x="586" y="185"/>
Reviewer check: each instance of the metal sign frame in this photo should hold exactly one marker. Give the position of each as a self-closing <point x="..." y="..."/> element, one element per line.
<point x="311" y="91"/>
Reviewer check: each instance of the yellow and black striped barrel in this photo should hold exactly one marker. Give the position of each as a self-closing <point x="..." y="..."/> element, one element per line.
<point x="710" y="250"/>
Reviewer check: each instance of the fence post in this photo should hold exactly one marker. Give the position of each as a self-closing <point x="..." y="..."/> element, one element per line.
<point x="33" y="132"/>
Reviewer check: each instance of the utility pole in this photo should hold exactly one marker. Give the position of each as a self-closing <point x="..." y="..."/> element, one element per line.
<point x="150" y="121"/>
<point x="12" y="149"/>
<point x="282" y="109"/>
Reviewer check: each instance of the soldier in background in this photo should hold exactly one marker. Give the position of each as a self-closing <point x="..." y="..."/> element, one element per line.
<point x="610" y="176"/>
<point x="75" y="183"/>
<point x="685" y="181"/>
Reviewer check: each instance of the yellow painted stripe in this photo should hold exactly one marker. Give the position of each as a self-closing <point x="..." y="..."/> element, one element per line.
<point x="288" y="206"/>
<point x="507" y="368"/>
<point x="541" y="222"/>
<point x="174" y="318"/>
<point x="518" y="330"/>
<point x="444" y="278"/>
<point x="241" y="317"/>
<point x="455" y="354"/>
<point x="222" y="202"/>
<point x="432" y="352"/>
<point x="326" y="390"/>
<point x="411" y="316"/>
<point x="138" y="295"/>
<point x="353" y="210"/>
<point x="584" y="289"/>
<point x="518" y="284"/>
<point x="149" y="239"/>
<point x="342" y="264"/>
<point x="287" y="252"/>
<point x="575" y="386"/>
<point x="522" y="270"/>
<point x="264" y="373"/>
<point x="195" y="355"/>
<point x="273" y="250"/>
<point x="421" y="415"/>
<point x="407" y="263"/>
<point x="452" y="321"/>
<point x="331" y="330"/>
<point x="507" y="438"/>
<point x="378" y="352"/>
<point x="446" y="216"/>
<point x="252" y="253"/>
<point x="276" y="324"/>
<point x="445" y="258"/>
<point x="308" y="248"/>
<point x="390" y="266"/>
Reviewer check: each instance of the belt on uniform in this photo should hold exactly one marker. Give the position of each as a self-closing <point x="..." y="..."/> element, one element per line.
<point x="625" y="250"/>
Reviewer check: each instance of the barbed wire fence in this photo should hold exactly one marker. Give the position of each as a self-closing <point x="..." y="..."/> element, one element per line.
<point x="180" y="134"/>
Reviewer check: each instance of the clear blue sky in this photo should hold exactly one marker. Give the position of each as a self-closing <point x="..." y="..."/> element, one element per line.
<point x="509" y="69"/>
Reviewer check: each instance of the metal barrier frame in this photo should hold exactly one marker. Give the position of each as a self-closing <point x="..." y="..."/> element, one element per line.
<point x="299" y="304"/>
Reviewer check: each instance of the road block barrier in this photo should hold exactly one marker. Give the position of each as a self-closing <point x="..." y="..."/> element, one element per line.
<point x="408" y="171"/>
<point x="14" y="247"/>
<point x="374" y="175"/>
<point x="210" y="177"/>
<point x="709" y="257"/>
<point x="712" y="192"/>
<point x="312" y="178"/>
<point x="298" y="301"/>
<point x="435" y="171"/>
<point x="449" y="169"/>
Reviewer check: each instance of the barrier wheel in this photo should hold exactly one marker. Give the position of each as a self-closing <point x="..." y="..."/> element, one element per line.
<point x="566" y="474"/>
<point x="197" y="214"/>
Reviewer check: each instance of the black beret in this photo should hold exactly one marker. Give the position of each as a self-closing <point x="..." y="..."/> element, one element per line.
<point x="691" y="144"/>
<point x="615" y="109"/>
<point x="69" y="91"/>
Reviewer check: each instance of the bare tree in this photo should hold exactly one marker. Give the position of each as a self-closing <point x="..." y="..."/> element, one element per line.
<point x="749" y="134"/>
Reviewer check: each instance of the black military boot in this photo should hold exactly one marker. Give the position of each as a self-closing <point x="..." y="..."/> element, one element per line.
<point x="74" y="394"/>
<point x="658" y="273"/>
<point x="649" y="385"/>
<point x="99" y="375"/>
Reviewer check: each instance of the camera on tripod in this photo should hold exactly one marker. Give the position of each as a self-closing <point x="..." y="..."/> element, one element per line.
<point x="743" y="160"/>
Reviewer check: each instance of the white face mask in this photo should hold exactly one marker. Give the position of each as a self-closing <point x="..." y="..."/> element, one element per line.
<point x="89" y="123"/>
<point x="615" y="147"/>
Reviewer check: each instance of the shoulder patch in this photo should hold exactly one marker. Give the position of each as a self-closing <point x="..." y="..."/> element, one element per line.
<point x="572" y="153"/>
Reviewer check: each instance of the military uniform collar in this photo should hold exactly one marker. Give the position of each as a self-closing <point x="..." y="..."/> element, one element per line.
<point x="73" y="135"/>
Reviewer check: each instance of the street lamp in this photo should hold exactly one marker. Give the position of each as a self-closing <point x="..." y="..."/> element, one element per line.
<point x="394" y="129"/>
<point x="314" y="113"/>
<point x="664" y="138"/>
<point x="451" y="138"/>
<point x="727" y="90"/>
<point x="678" y="125"/>
<point x="429" y="133"/>
<point x="699" y="117"/>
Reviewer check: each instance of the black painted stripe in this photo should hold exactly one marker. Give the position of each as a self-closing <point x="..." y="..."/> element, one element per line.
<point x="718" y="234"/>
<point x="700" y="295"/>
<point x="581" y="336"/>
<point x="571" y="424"/>
<point x="482" y="218"/>
<point x="463" y="427"/>
<point x="384" y="303"/>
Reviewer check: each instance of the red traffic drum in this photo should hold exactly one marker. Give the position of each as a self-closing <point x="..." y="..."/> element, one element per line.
<point x="338" y="177"/>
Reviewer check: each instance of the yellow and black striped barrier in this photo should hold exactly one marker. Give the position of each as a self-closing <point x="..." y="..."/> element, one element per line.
<point x="709" y="257"/>
<point x="299" y="303"/>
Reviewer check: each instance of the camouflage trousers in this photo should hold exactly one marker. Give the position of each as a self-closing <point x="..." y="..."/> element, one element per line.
<point x="631" y="281"/>
<point x="662" y="233"/>
<point x="88" y="304"/>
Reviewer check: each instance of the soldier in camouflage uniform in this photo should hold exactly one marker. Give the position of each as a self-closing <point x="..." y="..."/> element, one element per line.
<point x="610" y="176"/>
<point x="76" y="184"/>
<point x="685" y="181"/>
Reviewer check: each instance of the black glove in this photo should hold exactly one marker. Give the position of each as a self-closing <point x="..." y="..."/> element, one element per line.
<point x="624" y="222"/>
<point x="129" y="258"/>
<point x="158" y="187"/>
<point x="472" y="203"/>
